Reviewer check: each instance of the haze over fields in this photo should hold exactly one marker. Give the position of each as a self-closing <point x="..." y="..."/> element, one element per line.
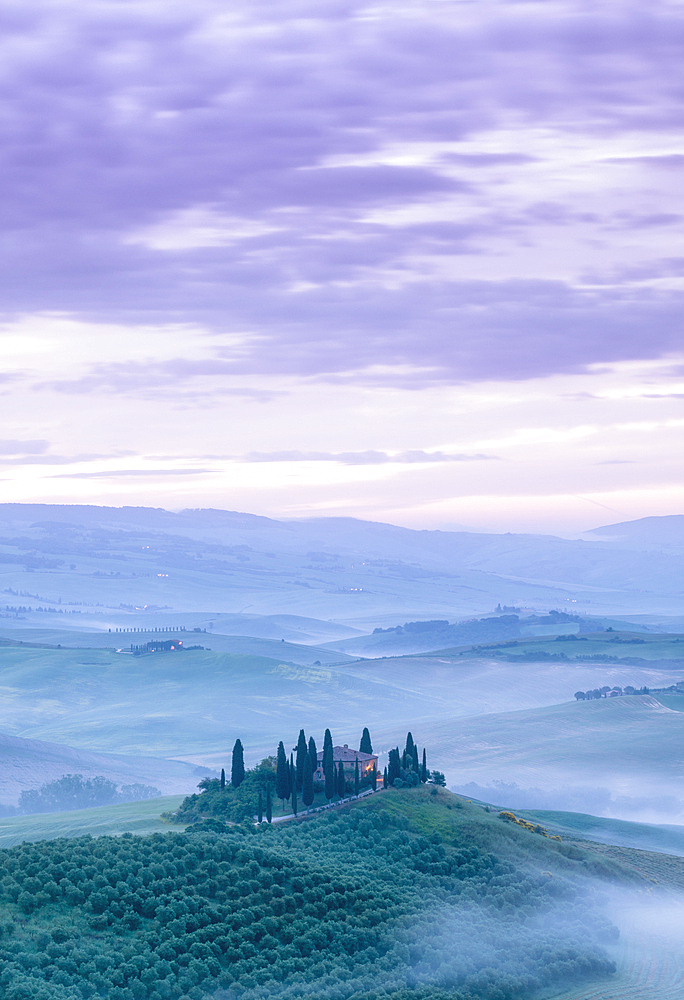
<point x="338" y="622"/>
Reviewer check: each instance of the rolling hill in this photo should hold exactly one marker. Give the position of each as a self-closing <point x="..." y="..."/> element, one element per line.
<point x="618" y="757"/>
<point x="26" y="763"/>
<point x="357" y="572"/>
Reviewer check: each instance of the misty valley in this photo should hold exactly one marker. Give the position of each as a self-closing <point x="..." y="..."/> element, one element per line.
<point x="165" y="834"/>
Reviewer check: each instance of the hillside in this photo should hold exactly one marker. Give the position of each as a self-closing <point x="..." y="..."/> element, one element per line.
<point x="26" y="763"/>
<point x="140" y="818"/>
<point x="193" y="705"/>
<point x="632" y="648"/>
<point x="363" y="901"/>
<point x="619" y="757"/>
<point x="356" y="572"/>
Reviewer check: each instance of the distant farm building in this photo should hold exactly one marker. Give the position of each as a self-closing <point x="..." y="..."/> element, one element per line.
<point x="367" y="761"/>
<point x="159" y="646"/>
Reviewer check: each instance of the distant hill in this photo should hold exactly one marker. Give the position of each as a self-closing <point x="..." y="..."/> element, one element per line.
<point x="148" y="561"/>
<point x="644" y="534"/>
<point x="28" y="764"/>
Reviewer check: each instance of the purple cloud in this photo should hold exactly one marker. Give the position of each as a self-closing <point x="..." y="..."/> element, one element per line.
<point x="315" y="123"/>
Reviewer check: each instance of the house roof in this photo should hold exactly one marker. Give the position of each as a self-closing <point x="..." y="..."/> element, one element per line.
<point x="346" y="755"/>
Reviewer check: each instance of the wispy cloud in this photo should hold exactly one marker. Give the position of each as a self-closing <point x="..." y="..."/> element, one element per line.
<point x="23" y="448"/>
<point x="362" y="457"/>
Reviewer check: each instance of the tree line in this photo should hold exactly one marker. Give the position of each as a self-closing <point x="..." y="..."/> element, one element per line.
<point x="607" y="691"/>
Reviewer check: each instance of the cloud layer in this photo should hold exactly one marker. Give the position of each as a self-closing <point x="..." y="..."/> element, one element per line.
<point x="462" y="190"/>
<point x="332" y="256"/>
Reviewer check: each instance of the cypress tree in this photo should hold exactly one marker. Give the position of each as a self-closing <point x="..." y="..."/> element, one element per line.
<point x="269" y="807"/>
<point x="282" y="775"/>
<point x="384" y="779"/>
<point x="374" y="777"/>
<point x="329" y="776"/>
<point x="409" y="745"/>
<point x="394" y="769"/>
<point x="340" y="780"/>
<point x="307" y="782"/>
<point x="294" y="798"/>
<point x="356" y="777"/>
<point x="366" y="746"/>
<point x="415" y="766"/>
<point x="313" y="753"/>
<point x="404" y="762"/>
<point x="260" y="812"/>
<point x="423" y="770"/>
<point x="237" y="770"/>
<point x="328" y="765"/>
<point x="301" y="754"/>
<point x="293" y="776"/>
<point x="223" y="779"/>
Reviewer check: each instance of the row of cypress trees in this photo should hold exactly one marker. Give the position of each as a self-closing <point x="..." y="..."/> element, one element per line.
<point x="296" y="777"/>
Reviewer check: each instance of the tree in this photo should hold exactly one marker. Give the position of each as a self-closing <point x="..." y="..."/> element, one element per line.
<point x="385" y="782"/>
<point x="327" y="745"/>
<point x="237" y="770"/>
<point x="328" y="764"/>
<point x="294" y="798"/>
<point x="223" y="779"/>
<point x="437" y="778"/>
<point x="356" y="776"/>
<point x="293" y="776"/>
<point x="313" y="753"/>
<point x="260" y="811"/>
<point x="340" y="780"/>
<point x="366" y="746"/>
<point x="414" y="762"/>
<point x="394" y="768"/>
<point x="424" y="770"/>
<point x="307" y="782"/>
<point x="269" y="807"/>
<point x="329" y="777"/>
<point x="374" y="777"/>
<point x="282" y="775"/>
<point x="301" y="754"/>
<point x="580" y="695"/>
<point x="409" y="746"/>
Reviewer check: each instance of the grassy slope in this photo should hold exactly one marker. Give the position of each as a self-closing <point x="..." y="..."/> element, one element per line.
<point x="650" y="647"/>
<point x="196" y="704"/>
<point x="627" y="741"/>
<point x="128" y="817"/>
<point x="621" y="833"/>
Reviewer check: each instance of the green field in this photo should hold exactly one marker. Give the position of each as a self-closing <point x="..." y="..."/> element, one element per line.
<point x="630" y="747"/>
<point x="615" y="646"/>
<point x="195" y="704"/>
<point x="128" y="817"/>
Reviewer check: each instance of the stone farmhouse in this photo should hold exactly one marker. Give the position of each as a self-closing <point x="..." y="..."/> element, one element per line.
<point x="367" y="761"/>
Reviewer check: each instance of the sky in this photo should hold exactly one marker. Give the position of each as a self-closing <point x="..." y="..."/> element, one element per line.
<point x="415" y="262"/>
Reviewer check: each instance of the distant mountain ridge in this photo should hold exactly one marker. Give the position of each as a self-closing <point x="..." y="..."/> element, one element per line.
<point x="327" y="568"/>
